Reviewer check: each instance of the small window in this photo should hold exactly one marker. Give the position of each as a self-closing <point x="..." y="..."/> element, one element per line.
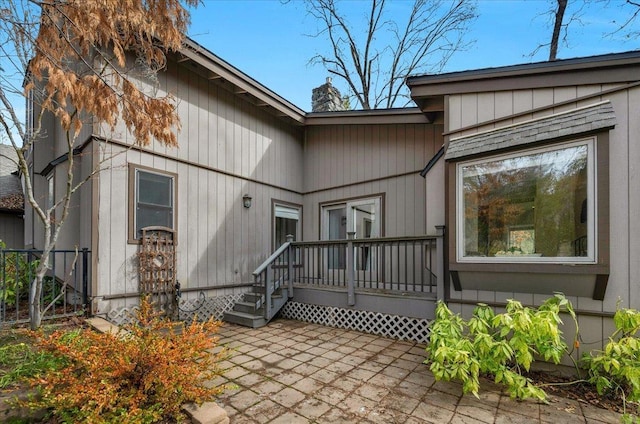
<point x="152" y="200"/>
<point x="533" y="206"/>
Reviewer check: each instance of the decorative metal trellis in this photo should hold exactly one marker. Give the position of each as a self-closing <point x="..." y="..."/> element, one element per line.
<point x="157" y="259"/>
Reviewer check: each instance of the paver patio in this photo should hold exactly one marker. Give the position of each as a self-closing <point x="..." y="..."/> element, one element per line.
<point x="297" y="372"/>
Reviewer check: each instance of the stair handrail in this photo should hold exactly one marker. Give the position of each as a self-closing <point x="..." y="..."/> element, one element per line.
<point x="271" y="258"/>
<point x="264" y="269"/>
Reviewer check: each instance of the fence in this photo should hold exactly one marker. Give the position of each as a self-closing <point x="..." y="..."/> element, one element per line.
<point x="65" y="287"/>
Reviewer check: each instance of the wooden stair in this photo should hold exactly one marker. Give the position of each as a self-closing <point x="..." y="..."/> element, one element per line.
<point x="270" y="291"/>
<point x="250" y="311"/>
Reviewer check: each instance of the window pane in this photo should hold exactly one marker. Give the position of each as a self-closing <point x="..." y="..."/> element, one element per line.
<point x="285" y="226"/>
<point x="148" y="216"/>
<point x="528" y="206"/>
<point x="154" y="189"/>
<point x="154" y="201"/>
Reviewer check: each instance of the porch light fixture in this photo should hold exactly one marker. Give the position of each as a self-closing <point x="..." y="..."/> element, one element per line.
<point x="246" y="201"/>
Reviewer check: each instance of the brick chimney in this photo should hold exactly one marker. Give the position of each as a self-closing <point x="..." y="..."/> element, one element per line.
<point x="326" y="98"/>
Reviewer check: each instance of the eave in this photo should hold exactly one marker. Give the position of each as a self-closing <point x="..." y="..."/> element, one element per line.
<point x="216" y="69"/>
<point x="367" y="117"/>
<point x="429" y="90"/>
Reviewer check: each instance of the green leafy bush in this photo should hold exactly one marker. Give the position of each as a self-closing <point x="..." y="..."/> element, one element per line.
<point x="616" y="369"/>
<point x="502" y="345"/>
<point x="15" y="276"/>
<point x="141" y="375"/>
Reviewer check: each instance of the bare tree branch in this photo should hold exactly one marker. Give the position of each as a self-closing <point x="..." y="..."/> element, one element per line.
<point x="373" y="68"/>
<point x="69" y="60"/>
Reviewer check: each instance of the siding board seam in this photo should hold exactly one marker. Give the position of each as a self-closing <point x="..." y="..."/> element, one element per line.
<point x="197" y="165"/>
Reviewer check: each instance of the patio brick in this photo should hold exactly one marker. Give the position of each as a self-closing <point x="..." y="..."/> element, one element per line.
<point x="335" y="380"/>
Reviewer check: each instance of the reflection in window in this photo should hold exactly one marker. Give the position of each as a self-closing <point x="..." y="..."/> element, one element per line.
<point x="287" y="222"/>
<point x="154" y="200"/>
<point x="532" y="205"/>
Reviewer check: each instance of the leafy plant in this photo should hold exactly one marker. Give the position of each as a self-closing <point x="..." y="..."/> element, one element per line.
<point x="502" y="345"/>
<point x="143" y="374"/>
<point x="16" y="274"/>
<point x="616" y="369"/>
<point x="19" y="360"/>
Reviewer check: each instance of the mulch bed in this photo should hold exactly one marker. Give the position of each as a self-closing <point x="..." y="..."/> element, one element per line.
<point x="566" y="387"/>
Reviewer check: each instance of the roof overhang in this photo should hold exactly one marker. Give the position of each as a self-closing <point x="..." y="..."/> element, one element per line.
<point x="216" y="69"/>
<point x="428" y="91"/>
<point x="374" y="116"/>
<point x="584" y="120"/>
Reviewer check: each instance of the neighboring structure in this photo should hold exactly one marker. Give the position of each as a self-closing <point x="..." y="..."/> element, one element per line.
<point x="11" y="199"/>
<point x="524" y="165"/>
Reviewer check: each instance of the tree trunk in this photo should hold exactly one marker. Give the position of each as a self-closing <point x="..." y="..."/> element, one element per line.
<point x="35" y="310"/>
<point x="557" y="27"/>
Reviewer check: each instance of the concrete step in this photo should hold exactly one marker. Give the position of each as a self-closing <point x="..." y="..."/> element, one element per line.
<point x="245" y="319"/>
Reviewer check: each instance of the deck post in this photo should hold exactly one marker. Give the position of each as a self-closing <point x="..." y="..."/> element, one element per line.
<point x="290" y="259"/>
<point x="351" y="292"/>
<point x="267" y="293"/>
<point x="440" y="262"/>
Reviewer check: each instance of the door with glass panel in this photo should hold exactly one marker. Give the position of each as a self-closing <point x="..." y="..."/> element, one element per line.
<point x="361" y="217"/>
<point x="286" y="223"/>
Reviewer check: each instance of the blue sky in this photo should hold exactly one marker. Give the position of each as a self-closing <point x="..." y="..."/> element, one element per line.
<point x="266" y="38"/>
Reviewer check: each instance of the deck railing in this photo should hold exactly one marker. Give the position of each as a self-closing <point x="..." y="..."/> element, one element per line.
<point x="65" y="288"/>
<point x="391" y="265"/>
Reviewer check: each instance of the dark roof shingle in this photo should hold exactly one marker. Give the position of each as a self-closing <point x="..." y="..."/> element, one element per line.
<point x="11" y="196"/>
<point x="577" y="121"/>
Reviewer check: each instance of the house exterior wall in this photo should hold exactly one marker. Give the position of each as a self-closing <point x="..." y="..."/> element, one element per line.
<point x="227" y="147"/>
<point x="467" y="112"/>
<point x="350" y="161"/>
<point x="12" y="230"/>
<point x="51" y="146"/>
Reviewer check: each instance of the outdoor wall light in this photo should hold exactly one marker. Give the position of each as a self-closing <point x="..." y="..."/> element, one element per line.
<point x="246" y="201"/>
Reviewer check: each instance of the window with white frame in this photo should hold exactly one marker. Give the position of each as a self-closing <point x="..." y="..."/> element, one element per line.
<point x="152" y="201"/>
<point x="535" y="205"/>
<point x="360" y="216"/>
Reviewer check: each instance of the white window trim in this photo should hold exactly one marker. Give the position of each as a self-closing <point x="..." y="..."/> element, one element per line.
<point x="325" y="208"/>
<point x="592" y="201"/>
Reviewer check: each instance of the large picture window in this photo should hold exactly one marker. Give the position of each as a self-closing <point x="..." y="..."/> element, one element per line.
<point x="532" y="206"/>
<point x="152" y="200"/>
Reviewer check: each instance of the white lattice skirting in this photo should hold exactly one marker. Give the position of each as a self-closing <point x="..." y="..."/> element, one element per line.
<point x="204" y="308"/>
<point x="393" y="326"/>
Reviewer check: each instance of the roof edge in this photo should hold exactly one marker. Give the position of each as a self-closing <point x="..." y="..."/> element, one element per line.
<point x="560" y="65"/>
<point x="193" y="50"/>
<point x="378" y="116"/>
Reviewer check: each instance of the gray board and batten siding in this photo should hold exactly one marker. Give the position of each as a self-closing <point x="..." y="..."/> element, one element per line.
<point x="493" y="99"/>
<point x="228" y="147"/>
<point x="355" y="161"/>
